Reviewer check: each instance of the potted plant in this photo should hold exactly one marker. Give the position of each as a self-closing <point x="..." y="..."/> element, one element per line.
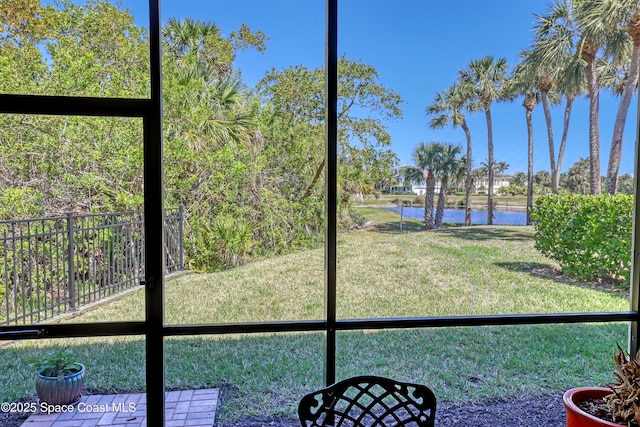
<point x="60" y="378"/>
<point x="615" y="405"/>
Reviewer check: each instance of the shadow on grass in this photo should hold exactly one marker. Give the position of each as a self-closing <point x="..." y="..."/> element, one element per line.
<point x="489" y="232"/>
<point x="394" y="227"/>
<point x="547" y="271"/>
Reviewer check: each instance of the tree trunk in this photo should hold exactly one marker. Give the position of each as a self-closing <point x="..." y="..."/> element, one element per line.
<point x="428" y="200"/>
<point x="315" y="179"/>
<point x="487" y="112"/>
<point x="441" y="200"/>
<point x="621" y="117"/>
<point x="594" y="132"/>
<point x="565" y="132"/>
<point x="530" y="165"/>
<point x="469" y="178"/>
<point x="552" y="153"/>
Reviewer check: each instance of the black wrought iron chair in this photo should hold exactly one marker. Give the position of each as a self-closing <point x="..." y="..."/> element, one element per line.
<point x="369" y="401"/>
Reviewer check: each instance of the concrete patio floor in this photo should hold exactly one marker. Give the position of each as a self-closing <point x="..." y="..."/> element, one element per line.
<point x="182" y="408"/>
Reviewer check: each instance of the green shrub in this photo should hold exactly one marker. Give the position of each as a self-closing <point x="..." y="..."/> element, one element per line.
<point x="20" y="203"/>
<point x="589" y="236"/>
<point x="512" y="190"/>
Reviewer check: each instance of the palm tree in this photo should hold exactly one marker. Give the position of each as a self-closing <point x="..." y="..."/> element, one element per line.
<point x="501" y="167"/>
<point x="195" y="61"/>
<point x="559" y="73"/>
<point x="524" y="83"/>
<point x="571" y="27"/>
<point x="479" y="174"/>
<point x="623" y="18"/>
<point x="448" y="164"/>
<point x="484" y="78"/>
<point x="196" y="45"/>
<point x="448" y="108"/>
<point x="426" y="158"/>
<point x="601" y="30"/>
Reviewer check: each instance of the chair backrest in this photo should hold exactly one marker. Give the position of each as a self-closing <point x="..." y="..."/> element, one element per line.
<point x="369" y="401"/>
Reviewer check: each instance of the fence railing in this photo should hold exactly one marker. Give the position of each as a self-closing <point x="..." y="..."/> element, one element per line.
<point x="49" y="266"/>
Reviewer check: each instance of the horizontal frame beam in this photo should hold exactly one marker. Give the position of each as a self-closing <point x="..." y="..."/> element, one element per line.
<point x="74" y="106"/>
<point x="139" y="328"/>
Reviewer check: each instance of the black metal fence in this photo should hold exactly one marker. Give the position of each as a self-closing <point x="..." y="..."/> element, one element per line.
<point x="52" y="265"/>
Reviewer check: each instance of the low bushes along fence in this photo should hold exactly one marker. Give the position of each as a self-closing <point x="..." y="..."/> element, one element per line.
<point x="52" y="265"/>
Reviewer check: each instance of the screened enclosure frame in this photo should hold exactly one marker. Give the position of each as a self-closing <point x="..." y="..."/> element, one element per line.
<point x="154" y="329"/>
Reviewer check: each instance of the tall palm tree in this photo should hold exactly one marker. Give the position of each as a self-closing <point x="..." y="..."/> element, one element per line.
<point x="570" y="27"/>
<point x="622" y="17"/>
<point x="448" y="165"/>
<point x="558" y="71"/>
<point x="524" y="82"/>
<point x="599" y="24"/>
<point x="448" y="108"/>
<point x="484" y="78"/>
<point x="426" y="158"/>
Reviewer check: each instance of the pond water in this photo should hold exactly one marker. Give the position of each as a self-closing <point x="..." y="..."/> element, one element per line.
<point x="478" y="216"/>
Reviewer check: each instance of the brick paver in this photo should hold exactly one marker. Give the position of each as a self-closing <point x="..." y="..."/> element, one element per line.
<point x="182" y="408"/>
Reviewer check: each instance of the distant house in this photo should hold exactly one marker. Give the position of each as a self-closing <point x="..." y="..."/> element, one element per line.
<point x="420" y="189"/>
<point x="481" y="185"/>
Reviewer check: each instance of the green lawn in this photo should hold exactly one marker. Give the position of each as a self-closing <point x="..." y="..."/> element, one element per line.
<point x="382" y="272"/>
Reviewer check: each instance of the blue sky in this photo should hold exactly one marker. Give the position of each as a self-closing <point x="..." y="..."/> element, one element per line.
<point x="417" y="46"/>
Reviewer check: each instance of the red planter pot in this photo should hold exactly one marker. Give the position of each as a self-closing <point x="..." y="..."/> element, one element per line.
<point x="576" y="417"/>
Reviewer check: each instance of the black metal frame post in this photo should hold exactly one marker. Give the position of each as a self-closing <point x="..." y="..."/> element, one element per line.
<point x="154" y="222"/>
<point x="635" y="248"/>
<point x="331" y="160"/>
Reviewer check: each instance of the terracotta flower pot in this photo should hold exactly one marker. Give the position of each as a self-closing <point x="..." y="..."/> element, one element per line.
<point x="54" y="391"/>
<point x="576" y="417"/>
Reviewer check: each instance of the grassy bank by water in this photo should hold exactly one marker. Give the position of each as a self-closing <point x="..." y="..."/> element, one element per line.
<point x="479" y="200"/>
<point x="382" y="272"/>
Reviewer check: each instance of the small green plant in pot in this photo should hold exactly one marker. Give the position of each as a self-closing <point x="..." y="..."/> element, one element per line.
<point x="60" y="378"/>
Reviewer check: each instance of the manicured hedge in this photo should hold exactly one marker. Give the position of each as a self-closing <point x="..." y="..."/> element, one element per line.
<point x="589" y="236"/>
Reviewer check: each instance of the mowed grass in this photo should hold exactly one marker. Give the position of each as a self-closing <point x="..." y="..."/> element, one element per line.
<point x="382" y="272"/>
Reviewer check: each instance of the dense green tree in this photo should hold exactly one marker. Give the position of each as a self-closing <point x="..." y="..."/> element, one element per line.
<point x="72" y="163"/>
<point x="519" y="179"/>
<point x="542" y="178"/>
<point x="295" y="96"/>
<point x="224" y="158"/>
<point x="578" y="178"/>
<point x="626" y="184"/>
